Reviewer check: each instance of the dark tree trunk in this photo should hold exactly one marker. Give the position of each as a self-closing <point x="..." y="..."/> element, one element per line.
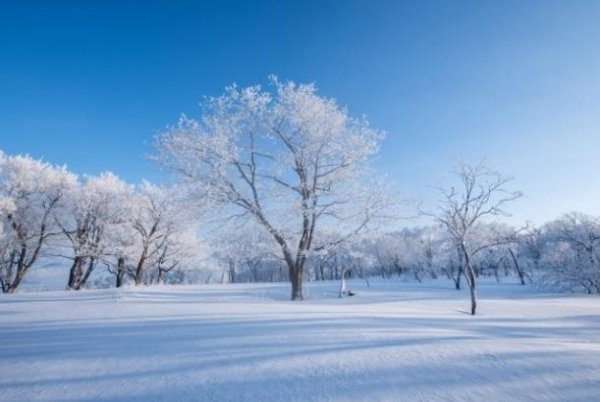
<point x="517" y="267"/>
<point x="296" y="276"/>
<point x="319" y="270"/>
<point x="77" y="276"/>
<point x="495" y="268"/>
<point x="139" y="270"/>
<point x="458" y="276"/>
<point x="21" y="269"/>
<point x="90" y="268"/>
<point x="461" y="265"/>
<point x="232" y="277"/>
<point x="120" y="271"/>
<point x="11" y="287"/>
<point x="76" y="273"/>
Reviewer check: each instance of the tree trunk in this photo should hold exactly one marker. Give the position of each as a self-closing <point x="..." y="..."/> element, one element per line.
<point x="318" y="267"/>
<point x="296" y="276"/>
<point x="495" y="268"/>
<point x="21" y="269"/>
<point x="139" y="270"/>
<point x="75" y="273"/>
<point x="458" y="276"/>
<point x="120" y="271"/>
<point x="90" y="267"/>
<point x="471" y="278"/>
<point x="460" y="269"/>
<point x="517" y="267"/>
<point x="473" y="289"/>
<point x="10" y="288"/>
<point x="231" y="271"/>
<point x="17" y="281"/>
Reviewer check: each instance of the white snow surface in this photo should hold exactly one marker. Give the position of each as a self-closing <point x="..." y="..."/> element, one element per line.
<point x="393" y="341"/>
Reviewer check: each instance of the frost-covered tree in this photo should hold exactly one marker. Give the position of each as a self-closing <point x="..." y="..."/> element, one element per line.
<point x="157" y="213"/>
<point x="30" y="190"/>
<point x="480" y="194"/>
<point x="246" y="253"/>
<point x="288" y="158"/>
<point x="121" y="244"/>
<point x="91" y="210"/>
<point x="7" y="206"/>
<point x="533" y="243"/>
<point x="572" y="261"/>
<point x="518" y="253"/>
<point x="501" y="243"/>
<point x="413" y="252"/>
<point x="179" y="253"/>
<point x="452" y="266"/>
<point x="327" y="260"/>
<point x="387" y="250"/>
<point x="419" y="249"/>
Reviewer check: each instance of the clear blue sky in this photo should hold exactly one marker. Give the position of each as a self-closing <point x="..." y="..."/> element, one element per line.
<point x="515" y="82"/>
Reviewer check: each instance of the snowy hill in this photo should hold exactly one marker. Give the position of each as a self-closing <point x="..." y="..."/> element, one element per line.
<point x="393" y="341"/>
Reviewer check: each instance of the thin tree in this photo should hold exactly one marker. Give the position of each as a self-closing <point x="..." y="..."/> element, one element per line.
<point x="481" y="194"/>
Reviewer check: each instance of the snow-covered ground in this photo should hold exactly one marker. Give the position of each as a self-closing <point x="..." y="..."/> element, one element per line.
<point x="393" y="341"/>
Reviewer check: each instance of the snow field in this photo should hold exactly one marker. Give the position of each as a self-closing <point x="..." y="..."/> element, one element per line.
<point x="394" y="341"/>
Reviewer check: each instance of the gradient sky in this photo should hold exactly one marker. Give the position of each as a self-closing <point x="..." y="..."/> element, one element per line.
<point x="514" y="82"/>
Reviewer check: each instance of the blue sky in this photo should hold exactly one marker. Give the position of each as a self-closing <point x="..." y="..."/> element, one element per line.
<point x="515" y="82"/>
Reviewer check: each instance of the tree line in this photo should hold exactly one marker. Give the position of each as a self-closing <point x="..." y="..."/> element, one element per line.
<point x="137" y="233"/>
<point x="278" y="184"/>
<point x="561" y="255"/>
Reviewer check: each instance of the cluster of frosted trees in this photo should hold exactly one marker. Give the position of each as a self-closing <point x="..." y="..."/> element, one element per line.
<point x="283" y="178"/>
<point x="562" y="255"/>
<point x="96" y="223"/>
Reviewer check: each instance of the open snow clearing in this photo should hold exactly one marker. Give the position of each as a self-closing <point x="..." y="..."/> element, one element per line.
<point x="392" y="341"/>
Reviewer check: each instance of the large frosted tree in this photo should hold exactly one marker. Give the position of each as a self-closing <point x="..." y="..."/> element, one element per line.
<point x="30" y="192"/>
<point x="571" y="253"/>
<point x="288" y="158"/>
<point x="91" y="211"/>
